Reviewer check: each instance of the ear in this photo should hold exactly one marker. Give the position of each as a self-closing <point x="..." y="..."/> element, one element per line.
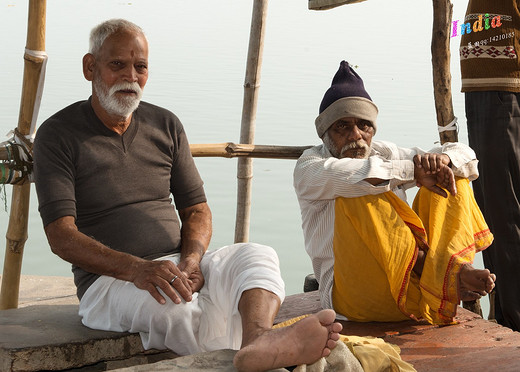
<point x="88" y="66"/>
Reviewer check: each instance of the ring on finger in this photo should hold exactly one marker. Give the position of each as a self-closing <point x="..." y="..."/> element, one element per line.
<point x="173" y="279"/>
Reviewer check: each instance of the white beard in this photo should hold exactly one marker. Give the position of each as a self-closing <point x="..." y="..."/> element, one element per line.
<point x="360" y="144"/>
<point x="118" y="106"/>
<point x="364" y="149"/>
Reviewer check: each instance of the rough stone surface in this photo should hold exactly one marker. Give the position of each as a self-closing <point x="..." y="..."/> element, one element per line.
<point x="46" y="333"/>
<point x="47" y="290"/>
<point x="52" y="337"/>
<point x="218" y="361"/>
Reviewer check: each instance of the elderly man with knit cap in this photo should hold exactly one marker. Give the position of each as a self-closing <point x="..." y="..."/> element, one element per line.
<point x="375" y="257"/>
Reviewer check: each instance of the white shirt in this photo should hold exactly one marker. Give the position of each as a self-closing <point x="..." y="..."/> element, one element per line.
<point x="319" y="178"/>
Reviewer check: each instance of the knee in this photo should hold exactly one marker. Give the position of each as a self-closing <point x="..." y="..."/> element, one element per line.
<point x="255" y="251"/>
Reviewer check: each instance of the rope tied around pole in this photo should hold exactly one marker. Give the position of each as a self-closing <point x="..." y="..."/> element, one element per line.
<point x="16" y="168"/>
<point x="450" y="126"/>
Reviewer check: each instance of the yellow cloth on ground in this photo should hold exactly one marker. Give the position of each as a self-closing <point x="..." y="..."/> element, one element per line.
<point x="376" y="242"/>
<point x="356" y="353"/>
<point x="375" y="354"/>
<point x="339" y="359"/>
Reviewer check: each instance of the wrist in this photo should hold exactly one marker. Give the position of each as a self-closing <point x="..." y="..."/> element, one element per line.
<point x="131" y="269"/>
<point x="193" y="257"/>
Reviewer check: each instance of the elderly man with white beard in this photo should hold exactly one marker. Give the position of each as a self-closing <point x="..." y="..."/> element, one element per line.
<point x="375" y="258"/>
<point x="105" y="169"/>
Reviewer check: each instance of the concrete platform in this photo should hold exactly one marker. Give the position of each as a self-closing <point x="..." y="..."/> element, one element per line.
<point x="46" y="290"/>
<point x="45" y="333"/>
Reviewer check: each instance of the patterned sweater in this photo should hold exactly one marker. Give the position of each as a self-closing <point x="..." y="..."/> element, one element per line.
<point x="490" y="43"/>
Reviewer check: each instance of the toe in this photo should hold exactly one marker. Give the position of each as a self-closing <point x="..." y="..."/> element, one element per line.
<point x="334" y="336"/>
<point x="331" y="344"/>
<point x="326" y="352"/>
<point x="326" y="317"/>
<point x="336" y="327"/>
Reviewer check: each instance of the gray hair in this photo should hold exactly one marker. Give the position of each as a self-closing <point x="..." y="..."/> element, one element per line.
<point x="99" y="34"/>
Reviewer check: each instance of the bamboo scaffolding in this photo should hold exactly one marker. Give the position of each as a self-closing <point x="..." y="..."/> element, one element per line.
<point x="18" y="219"/>
<point x="247" y="129"/>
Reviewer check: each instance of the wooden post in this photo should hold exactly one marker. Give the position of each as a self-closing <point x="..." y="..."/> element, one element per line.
<point x="17" y="229"/>
<point x="247" y="129"/>
<point x="442" y="13"/>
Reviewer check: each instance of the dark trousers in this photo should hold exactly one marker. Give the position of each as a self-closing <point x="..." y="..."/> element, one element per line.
<point x="494" y="133"/>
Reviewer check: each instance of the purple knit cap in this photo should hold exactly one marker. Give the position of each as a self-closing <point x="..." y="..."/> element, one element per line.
<point x="346" y="97"/>
<point x="346" y="83"/>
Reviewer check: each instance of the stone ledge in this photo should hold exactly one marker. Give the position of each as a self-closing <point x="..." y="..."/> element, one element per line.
<point x="52" y="337"/>
<point x="46" y="332"/>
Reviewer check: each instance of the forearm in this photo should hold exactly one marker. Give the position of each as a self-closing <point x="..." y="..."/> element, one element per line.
<point x="92" y="256"/>
<point x="320" y="179"/>
<point x="85" y="252"/>
<point x="195" y="232"/>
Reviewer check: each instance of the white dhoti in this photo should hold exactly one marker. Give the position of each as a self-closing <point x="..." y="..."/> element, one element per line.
<point x="211" y="321"/>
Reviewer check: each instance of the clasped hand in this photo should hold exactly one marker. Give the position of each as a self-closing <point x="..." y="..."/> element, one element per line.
<point x="433" y="172"/>
<point x="152" y="275"/>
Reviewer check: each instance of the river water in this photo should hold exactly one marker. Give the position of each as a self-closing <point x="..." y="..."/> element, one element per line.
<point x="197" y="58"/>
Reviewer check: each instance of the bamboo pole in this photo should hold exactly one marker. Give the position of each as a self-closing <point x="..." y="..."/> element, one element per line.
<point x="226" y="150"/>
<point x="230" y="150"/>
<point x="233" y="150"/>
<point x="247" y="129"/>
<point x="18" y="218"/>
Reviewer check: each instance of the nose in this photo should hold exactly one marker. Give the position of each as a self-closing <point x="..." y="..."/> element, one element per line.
<point x="130" y="74"/>
<point x="354" y="134"/>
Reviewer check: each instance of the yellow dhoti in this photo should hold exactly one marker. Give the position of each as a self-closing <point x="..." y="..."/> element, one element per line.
<point x="376" y="243"/>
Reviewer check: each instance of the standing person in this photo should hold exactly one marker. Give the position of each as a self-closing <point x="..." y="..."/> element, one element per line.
<point x="104" y="172"/>
<point x="375" y="258"/>
<point x="491" y="84"/>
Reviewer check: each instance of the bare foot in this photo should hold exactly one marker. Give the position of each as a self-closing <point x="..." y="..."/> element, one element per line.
<point x="303" y="342"/>
<point x="475" y="283"/>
